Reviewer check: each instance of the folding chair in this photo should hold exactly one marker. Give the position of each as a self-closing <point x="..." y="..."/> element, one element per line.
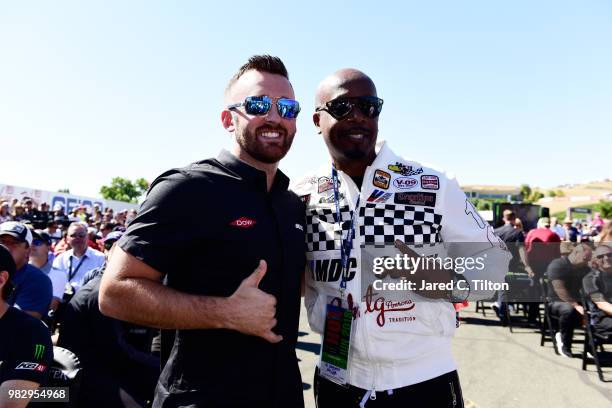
<point x="520" y="291"/>
<point x="592" y="342"/>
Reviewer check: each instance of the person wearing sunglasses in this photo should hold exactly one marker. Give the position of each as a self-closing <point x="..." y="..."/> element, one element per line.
<point x="368" y="202"/>
<point x="232" y="268"/>
<point x="70" y="267"/>
<point x="40" y="254"/>
<point x="33" y="289"/>
<point x="597" y="285"/>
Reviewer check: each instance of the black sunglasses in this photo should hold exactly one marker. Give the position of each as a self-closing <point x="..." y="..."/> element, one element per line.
<point x="261" y="105"/>
<point x="370" y="106"/>
<point x="78" y="235"/>
<point x="602" y="256"/>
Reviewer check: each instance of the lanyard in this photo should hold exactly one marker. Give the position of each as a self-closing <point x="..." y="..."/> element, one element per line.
<point x="70" y="273"/>
<point x="345" y="245"/>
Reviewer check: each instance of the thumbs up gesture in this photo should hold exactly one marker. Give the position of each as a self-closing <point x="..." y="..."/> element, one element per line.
<point x="254" y="310"/>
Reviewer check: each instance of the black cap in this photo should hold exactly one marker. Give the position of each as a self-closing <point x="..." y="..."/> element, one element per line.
<point x="42" y="235"/>
<point x="7" y="263"/>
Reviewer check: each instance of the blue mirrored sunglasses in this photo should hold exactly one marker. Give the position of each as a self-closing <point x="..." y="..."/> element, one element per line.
<point x="261" y="105"/>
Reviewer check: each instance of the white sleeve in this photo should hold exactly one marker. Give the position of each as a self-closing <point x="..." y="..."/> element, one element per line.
<point x="59" y="278"/>
<point x="466" y="235"/>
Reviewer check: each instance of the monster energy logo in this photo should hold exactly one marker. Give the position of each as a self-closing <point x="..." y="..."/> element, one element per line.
<point x="39" y="350"/>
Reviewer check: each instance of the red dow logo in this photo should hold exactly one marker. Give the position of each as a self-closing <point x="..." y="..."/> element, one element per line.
<point x="243" y="222"/>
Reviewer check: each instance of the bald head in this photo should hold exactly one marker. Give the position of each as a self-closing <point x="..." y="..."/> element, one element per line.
<point x="337" y="82"/>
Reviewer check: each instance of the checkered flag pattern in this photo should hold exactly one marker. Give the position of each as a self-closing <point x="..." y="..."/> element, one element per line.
<point x="323" y="230"/>
<point x="384" y="223"/>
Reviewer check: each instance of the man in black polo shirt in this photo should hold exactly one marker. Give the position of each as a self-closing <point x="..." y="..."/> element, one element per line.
<point x="565" y="276"/>
<point x="25" y="344"/>
<point x="233" y="267"/>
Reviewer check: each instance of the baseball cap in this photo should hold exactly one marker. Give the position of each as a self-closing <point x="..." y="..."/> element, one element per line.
<point x="113" y="236"/>
<point x="7" y="263"/>
<point x="544" y="221"/>
<point x="16" y="230"/>
<point x="42" y="235"/>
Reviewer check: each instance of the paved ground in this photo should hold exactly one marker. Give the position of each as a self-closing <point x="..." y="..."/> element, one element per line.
<point x="500" y="369"/>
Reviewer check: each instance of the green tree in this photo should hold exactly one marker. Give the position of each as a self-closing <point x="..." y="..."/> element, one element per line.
<point x="605" y="207"/>
<point x="560" y="193"/>
<point x="552" y="193"/>
<point x="122" y="189"/>
<point x="525" y="191"/>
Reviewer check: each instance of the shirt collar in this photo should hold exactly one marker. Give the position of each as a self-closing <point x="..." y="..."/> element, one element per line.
<point x="250" y="173"/>
<point x="72" y="255"/>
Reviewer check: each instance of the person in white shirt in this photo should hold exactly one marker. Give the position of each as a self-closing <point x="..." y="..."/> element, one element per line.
<point x="364" y="205"/>
<point x="71" y="266"/>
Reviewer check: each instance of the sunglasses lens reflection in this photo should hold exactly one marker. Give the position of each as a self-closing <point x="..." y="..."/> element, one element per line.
<point x="288" y="108"/>
<point x="258" y="105"/>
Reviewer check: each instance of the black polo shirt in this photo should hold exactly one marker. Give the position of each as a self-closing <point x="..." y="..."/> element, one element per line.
<point x="205" y="227"/>
<point x="562" y="269"/>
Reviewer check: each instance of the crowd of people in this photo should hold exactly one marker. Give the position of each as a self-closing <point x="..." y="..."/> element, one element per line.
<point x="566" y="267"/>
<point x="58" y="263"/>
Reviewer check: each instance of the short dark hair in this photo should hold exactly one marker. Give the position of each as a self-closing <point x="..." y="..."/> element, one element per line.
<point x="261" y="63"/>
<point x="509" y="215"/>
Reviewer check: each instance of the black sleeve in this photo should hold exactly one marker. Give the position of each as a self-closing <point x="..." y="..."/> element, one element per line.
<point x="162" y="229"/>
<point x="591" y="287"/>
<point x="75" y="329"/>
<point x="32" y="354"/>
<point x="556" y="271"/>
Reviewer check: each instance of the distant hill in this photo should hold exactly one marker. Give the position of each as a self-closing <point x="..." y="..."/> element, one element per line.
<point x="577" y="195"/>
<point x="574" y="195"/>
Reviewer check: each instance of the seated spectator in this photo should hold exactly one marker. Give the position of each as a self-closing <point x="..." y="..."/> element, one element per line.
<point x="40" y="254"/>
<point x="18" y="213"/>
<point x="565" y="276"/>
<point x="107" y="244"/>
<point x="70" y="267"/>
<point x="26" y="351"/>
<point x="119" y="369"/>
<point x="597" y="286"/>
<point x="557" y="228"/>
<point x="571" y="233"/>
<point x="59" y="216"/>
<point x="62" y="245"/>
<point x="518" y="224"/>
<point x="514" y="238"/>
<point x="33" y="288"/>
<point x="541" y="246"/>
<point x="92" y="239"/>
<point x="5" y="213"/>
<point x="121" y="217"/>
<point x="597" y="220"/>
<point x="130" y="216"/>
<point x="605" y="235"/>
<point x="54" y="232"/>
<point x="29" y="211"/>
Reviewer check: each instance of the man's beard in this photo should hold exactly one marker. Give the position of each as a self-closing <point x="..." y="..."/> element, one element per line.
<point x="248" y="141"/>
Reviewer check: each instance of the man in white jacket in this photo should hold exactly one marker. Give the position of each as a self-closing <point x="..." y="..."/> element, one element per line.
<point x="368" y="205"/>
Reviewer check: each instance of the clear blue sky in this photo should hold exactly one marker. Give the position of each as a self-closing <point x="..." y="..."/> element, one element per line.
<point x="496" y="92"/>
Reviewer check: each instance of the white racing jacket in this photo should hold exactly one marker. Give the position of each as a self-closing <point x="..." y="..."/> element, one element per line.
<point x="401" y="341"/>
